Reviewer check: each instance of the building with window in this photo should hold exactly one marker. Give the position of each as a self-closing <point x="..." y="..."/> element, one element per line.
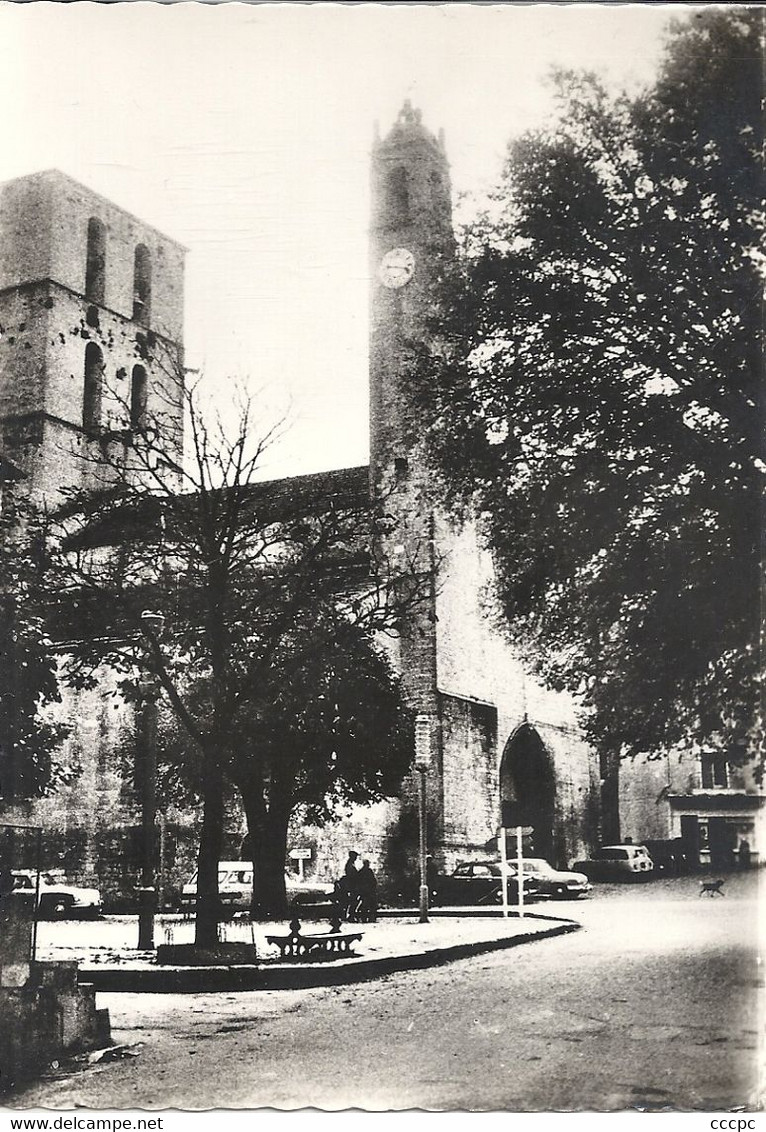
<point x="710" y="804"/>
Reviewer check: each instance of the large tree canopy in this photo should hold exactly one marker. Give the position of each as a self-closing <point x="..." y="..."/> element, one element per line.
<point x="601" y="404"/>
<point x="323" y="727"/>
<point x="328" y="728"/>
<point x="272" y="596"/>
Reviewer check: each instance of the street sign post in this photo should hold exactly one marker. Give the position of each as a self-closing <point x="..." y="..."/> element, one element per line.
<point x="300" y="855"/>
<point x="512" y="816"/>
<point x="503" y="876"/>
<point x="520" y="868"/>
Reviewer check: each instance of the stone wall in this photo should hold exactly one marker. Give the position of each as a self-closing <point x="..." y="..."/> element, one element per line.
<point x="91" y="825"/>
<point x="477" y="662"/>
<point x="50" y="1018"/>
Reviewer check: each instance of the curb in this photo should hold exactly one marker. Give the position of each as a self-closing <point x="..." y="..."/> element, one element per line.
<point x="200" y="980"/>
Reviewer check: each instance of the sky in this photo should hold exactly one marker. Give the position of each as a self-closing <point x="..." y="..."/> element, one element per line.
<point x="244" y="132"/>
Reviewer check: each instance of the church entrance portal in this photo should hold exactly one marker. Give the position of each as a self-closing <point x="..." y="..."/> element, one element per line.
<point x="527" y="782"/>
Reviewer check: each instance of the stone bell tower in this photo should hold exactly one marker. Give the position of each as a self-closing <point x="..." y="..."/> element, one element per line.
<point x="91" y="330"/>
<point x="411" y="240"/>
<point x="411" y="243"/>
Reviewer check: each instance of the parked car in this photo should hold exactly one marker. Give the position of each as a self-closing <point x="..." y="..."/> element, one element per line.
<point x="57" y="899"/>
<point x="555" y="882"/>
<point x="235" y="888"/>
<point x="479" y="882"/>
<point x="618" y="862"/>
<point x="668" y="856"/>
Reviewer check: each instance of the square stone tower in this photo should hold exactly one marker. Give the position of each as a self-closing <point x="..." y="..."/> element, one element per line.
<point x="411" y="242"/>
<point x="91" y="331"/>
<point x="493" y="734"/>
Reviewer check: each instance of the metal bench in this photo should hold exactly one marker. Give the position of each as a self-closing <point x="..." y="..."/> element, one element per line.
<point x="322" y="945"/>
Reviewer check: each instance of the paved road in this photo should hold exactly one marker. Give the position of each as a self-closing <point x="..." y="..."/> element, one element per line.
<point x="653" y="1004"/>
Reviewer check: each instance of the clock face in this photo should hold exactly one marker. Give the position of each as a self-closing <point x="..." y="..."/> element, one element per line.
<point x="397" y="267"/>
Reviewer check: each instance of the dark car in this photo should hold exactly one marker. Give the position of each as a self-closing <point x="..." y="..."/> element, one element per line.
<point x="479" y="882"/>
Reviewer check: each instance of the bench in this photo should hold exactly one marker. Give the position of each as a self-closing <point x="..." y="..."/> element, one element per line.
<point x="326" y="945"/>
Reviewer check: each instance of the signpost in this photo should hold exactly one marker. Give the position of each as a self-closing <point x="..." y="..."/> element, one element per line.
<point x="512" y="817"/>
<point x="521" y="832"/>
<point x="503" y="870"/>
<point x="300" y="855"/>
<point x="520" y="870"/>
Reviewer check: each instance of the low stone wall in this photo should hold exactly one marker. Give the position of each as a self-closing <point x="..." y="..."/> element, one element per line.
<point x="189" y="955"/>
<point x="50" y="1017"/>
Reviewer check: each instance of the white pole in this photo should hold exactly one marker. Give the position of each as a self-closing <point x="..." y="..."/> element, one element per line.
<point x="503" y="870"/>
<point x="520" y="870"/>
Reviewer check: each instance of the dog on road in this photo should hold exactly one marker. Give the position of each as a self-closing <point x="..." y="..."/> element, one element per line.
<point x="711" y="888"/>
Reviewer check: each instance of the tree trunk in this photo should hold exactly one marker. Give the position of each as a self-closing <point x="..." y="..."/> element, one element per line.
<point x="211" y="841"/>
<point x="268" y="845"/>
<point x="273" y="894"/>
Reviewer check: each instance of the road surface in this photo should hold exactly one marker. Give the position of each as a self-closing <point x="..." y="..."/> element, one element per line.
<point x="653" y="1005"/>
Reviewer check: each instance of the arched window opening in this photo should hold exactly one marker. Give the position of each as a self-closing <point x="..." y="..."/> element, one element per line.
<point x="95" y="264"/>
<point x="91" y="401"/>
<point x="138" y="397"/>
<point x="398" y="195"/>
<point x="142" y="284"/>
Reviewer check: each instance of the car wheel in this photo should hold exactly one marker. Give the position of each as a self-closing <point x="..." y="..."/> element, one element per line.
<point x="55" y="907"/>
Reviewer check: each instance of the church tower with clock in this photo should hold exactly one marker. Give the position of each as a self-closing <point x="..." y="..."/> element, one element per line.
<point x="411" y="239"/>
<point x="489" y="734"/>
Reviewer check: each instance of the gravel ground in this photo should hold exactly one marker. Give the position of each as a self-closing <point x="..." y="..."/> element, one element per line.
<point x="654" y="1006"/>
<point x="111" y="939"/>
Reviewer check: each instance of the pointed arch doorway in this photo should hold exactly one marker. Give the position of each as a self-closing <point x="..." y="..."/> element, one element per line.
<point x="527" y="782"/>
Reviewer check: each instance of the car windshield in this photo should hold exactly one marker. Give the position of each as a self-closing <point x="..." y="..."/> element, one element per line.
<point x="538" y="864"/>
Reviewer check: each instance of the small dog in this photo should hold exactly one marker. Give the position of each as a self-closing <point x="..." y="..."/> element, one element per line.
<point x="712" y="888"/>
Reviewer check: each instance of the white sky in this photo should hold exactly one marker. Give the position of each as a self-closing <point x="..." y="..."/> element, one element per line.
<point x="244" y="132"/>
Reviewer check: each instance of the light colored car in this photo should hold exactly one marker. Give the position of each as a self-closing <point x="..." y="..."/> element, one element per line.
<point x="554" y="882"/>
<point x="618" y="862"/>
<point x="57" y="899"/>
<point x="235" y="888"/>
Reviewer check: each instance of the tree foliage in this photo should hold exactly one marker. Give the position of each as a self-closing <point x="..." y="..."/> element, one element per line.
<point x="601" y="406"/>
<point x="327" y="729"/>
<point x="31" y="736"/>
<point x="267" y="591"/>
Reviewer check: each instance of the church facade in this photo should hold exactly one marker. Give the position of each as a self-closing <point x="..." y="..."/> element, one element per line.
<point x="72" y="262"/>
